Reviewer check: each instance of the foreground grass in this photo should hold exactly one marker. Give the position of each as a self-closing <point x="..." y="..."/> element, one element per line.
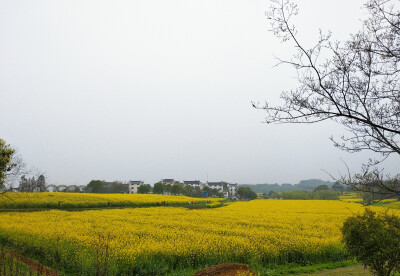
<point x="348" y="266"/>
<point x="355" y="270"/>
<point x="9" y="265"/>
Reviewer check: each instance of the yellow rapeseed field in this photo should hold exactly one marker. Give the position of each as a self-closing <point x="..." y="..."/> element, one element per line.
<point x="89" y="200"/>
<point x="160" y="239"/>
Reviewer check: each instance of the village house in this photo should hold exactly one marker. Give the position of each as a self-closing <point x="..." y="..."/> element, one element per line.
<point x="134" y="185"/>
<point x="193" y="183"/>
<point x="168" y="181"/>
<point x="219" y="186"/>
<point x="232" y="189"/>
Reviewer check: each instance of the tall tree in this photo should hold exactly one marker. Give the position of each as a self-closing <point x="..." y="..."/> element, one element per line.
<point x="144" y="189"/>
<point x="41" y="183"/>
<point x="357" y="86"/>
<point x="158" y="188"/>
<point x="176" y="189"/>
<point x="246" y="193"/>
<point x="6" y="162"/>
<point x="95" y="186"/>
<point x="23" y="184"/>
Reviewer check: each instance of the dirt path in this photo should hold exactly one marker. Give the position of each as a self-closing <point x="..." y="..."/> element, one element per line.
<point x="356" y="270"/>
<point x="228" y="269"/>
<point x="41" y="270"/>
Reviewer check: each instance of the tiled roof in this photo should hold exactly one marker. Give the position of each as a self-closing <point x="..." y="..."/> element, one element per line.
<point x="135" y="182"/>
<point x="192" y="182"/>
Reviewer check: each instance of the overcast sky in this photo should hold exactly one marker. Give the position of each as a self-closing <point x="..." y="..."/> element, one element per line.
<point x="151" y="89"/>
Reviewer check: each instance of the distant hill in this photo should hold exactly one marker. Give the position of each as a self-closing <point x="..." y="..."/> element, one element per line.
<point x="308" y="185"/>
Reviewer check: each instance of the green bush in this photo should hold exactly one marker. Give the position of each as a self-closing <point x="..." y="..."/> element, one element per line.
<point x="374" y="239"/>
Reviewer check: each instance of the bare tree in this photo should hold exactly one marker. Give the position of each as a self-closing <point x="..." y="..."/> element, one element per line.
<point x="354" y="83"/>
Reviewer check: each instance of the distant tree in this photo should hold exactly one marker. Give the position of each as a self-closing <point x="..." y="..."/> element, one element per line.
<point x="11" y="167"/>
<point x="207" y="190"/>
<point x="325" y="195"/>
<point x="338" y="187"/>
<point x="158" y="188"/>
<point x="6" y="164"/>
<point x="374" y="239"/>
<point x="41" y="183"/>
<point x="176" y="189"/>
<point x="307" y="195"/>
<point x="246" y="193"/>
<point x="95" y="186"/>
<point x="27" y="185"/>
<point x="321" y="188"/>
<point x="212" y="192"/>
<point x="187" y="190"/>
<point x="23" y="184"/>
<point x="76" y="190"/>
<point x="101" y="186"/>
<point x="117" y="187"/>
<point x="167" y="188"/>
<point x="196" y="192"/>
<point x="144" y="189"/>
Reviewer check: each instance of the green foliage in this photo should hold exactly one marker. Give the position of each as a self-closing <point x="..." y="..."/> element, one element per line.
<point x="167" y="188"/>
<point x="192" y="192"/>
<point x="6" y="164"/>
<point x="32" y="184"/>
<point x="308" y="185"/>
<point x="338" y="187"/>
<point x="95" y="186"/>
<point x="176" y="189"/>
<point x="212" y="192"/>
<point x="9" y="265"/>
<point x="374" y="239"/>
<point x="306" y="195"/>
<point x="188" y="190"/>
<point x="321" y="188"/>
<point x="41" y="183"/>
<point x="246" y="193"/>
<point x="158" y="188"/>
<point x="103" y="187"/>
<point x="144" y="189"/>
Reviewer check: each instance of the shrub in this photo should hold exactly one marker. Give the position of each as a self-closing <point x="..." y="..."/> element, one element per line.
<point x="374" y="239"/>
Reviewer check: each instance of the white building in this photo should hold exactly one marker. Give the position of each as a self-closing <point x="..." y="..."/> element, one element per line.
<point x="193" y="183"/>
<point x="168" y="181"/>
<point x="232" y="189"/>
<point x="134" y="185"/>
<point x="219" y="186"/>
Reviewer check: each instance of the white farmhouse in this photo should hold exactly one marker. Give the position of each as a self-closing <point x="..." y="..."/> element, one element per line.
<point x="232" y="189"/>
<point x="219" y="186"/>
<point x="193" y="183"/>
<point x="168" y="181"/>
<point x="134" y="185"/>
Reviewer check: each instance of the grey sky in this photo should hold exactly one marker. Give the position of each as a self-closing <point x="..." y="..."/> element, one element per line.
<point x="152" y="89"/>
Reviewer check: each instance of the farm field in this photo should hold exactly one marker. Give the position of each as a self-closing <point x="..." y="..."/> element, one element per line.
<point x="391" y="203"/>
<point x="82" y="201"/>
<point x="160" y="240"/>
